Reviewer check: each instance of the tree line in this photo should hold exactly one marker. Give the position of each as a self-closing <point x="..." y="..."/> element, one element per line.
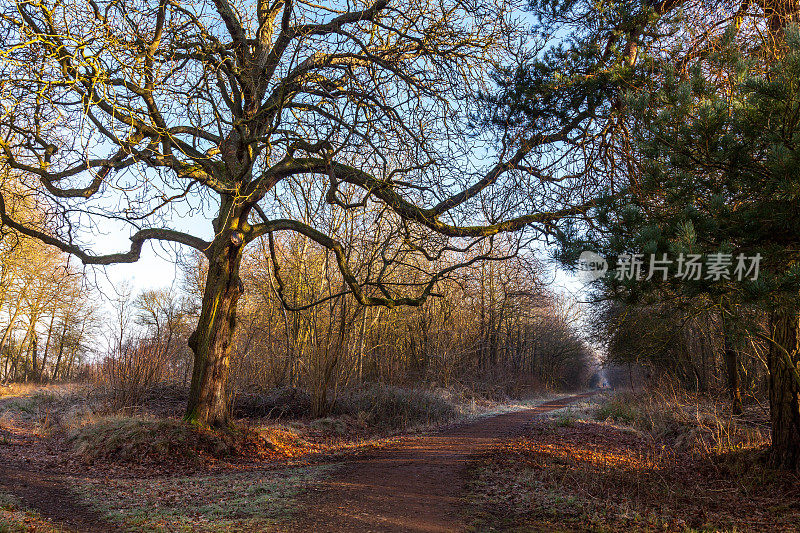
<point x="494" y="329"/>
<point x="47" y="322"/>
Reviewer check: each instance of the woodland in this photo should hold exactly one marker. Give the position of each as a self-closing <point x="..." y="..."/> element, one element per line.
<point x="378" y="215"/>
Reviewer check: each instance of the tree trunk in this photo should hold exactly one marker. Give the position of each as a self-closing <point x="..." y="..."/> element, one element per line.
<point x="47" y="346"/>
<point x="73" y="355"/>
<point x="34" y="348"/>
<point x="362" y="341"/>
<point x="732" y="371"/>
<point x="784" y="389"/>
<point x="731" y="357"/>
<point x="212" y="340"/>
<point x="60" y="351"/>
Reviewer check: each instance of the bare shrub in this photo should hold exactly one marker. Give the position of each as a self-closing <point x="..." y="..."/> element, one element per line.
<point x="394" y="407"/>
<point x="126" y="376"/>
<point x="284" y="402"/>
<point x="148" y="353"/>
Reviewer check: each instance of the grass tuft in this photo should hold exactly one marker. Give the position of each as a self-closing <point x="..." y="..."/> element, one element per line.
<point x="617" y="410"/>
<point x="141" y="440"/>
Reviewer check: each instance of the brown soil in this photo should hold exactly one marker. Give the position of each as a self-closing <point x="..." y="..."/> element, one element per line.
<point x="416" y="486"/>
<point x="49" y="497"/>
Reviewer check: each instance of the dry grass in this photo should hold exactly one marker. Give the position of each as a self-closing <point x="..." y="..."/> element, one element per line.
<point x="246" y="501"/>
<point x="154" y="441"/>
<point x="687" y="423"/>
<point x="639" y="469"/>
<point x="16" y="390"/>
<point x="376" y="407"/>
<point x="47" y="408"/>
<point x="374" y="411"/>
<point x="278" y="403"/>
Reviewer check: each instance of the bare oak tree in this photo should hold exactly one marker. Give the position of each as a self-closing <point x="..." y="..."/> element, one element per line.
<point x="127" y="115"/>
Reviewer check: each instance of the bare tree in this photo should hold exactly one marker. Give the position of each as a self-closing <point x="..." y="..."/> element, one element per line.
<point x="138" y="112"/>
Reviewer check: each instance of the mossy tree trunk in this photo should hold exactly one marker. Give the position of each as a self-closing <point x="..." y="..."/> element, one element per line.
<point x="213" y="339"/>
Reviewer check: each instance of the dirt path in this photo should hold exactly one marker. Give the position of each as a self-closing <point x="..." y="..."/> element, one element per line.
<point x="414" y="487"/>
<point x="49" y="496"/>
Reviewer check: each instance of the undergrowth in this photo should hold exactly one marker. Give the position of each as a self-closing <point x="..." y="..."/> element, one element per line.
<point x="386" y="406"/>
<point x="688" y="423"/>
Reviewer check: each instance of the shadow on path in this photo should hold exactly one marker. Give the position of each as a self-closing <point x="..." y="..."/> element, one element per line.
<point x="51" y="498"/>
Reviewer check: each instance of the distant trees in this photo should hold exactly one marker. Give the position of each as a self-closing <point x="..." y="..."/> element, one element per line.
<point x="168" y="321"/>
<point x="490" y="325"/>
<point x="46" y="321"/>
<point x="492" y="328"/>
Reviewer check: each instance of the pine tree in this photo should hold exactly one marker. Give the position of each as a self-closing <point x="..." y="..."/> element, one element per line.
<point x="718" y="159"/>
<point x="685" y="121"/>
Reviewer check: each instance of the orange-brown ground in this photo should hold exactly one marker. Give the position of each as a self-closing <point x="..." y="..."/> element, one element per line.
<point x="513" y="472"/>
<point x="416" y="486"/>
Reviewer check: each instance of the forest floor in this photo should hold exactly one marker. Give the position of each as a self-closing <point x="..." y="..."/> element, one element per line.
<point x="578" y="463"/>
<point x="65" y="466"/>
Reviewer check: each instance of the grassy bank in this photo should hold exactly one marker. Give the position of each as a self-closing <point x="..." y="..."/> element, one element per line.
<point x="635" y="463"/>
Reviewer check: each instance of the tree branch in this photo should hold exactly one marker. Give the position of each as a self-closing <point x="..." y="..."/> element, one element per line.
<point x="131" y="256"/>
